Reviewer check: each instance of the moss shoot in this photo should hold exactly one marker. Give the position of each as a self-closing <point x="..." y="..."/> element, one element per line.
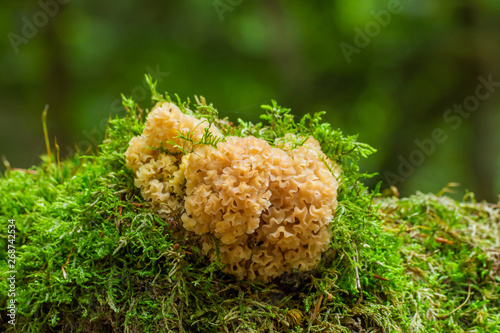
<point x="92" y="256"/>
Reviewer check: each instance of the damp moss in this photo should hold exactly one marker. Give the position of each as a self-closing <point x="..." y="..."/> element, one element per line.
<point x="92" y="256"/>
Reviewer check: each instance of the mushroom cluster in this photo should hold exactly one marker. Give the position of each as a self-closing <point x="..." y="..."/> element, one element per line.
<point x="265" y="209"/>
<point x="155" y="156"/>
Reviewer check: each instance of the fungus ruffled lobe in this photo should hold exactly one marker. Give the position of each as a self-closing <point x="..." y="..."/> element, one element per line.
<point x="166" y="120"/>
<point x="159" y="175"/>
<point x="227" y="188"/>
<point x="269" y="208"/>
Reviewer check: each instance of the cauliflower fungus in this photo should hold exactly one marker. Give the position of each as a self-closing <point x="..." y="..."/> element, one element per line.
<point x="268" y="208"/>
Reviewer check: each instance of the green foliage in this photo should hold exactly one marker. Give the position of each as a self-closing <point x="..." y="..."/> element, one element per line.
<point x="189" y="141"/>
<point x="451" y="252"/>
<point x="92" y="256"/>
<point x="345" y="150"/>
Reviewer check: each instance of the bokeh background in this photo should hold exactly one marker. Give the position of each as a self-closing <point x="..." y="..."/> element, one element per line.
<point x="392" y="85"/>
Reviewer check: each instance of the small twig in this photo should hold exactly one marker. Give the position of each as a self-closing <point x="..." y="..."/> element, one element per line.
<point x="117" y="224"/>
<point x="5" y="163"/>
<point x="67" y="261"/>
<point x="443" y="240"/>
<point x="45" y="132"/>
<point x="447" y="189"/>
<point x="395" y="191"/>
<point x="57" y="158"/>
<point x="356" y="259"/>
<point x="466" y="300"/>
<point x="25" y="170"/>
<point x="378" y="277"/>
<point x="247" y="288"/>
<point x="316" y="309"/>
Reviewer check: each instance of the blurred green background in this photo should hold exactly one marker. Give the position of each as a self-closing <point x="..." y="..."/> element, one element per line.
<point x="386" y="70"/>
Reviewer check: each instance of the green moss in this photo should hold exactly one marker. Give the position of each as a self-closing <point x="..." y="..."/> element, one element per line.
<point x="92" y="256"/>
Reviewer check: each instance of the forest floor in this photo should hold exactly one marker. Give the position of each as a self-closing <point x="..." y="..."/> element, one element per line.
<point x="85" y="252"/>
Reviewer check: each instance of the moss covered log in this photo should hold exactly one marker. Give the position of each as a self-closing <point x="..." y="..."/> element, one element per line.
<point x="91" y="255"/>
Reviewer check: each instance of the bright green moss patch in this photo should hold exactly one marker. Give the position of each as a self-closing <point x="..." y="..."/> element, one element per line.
<point x="92" y="256"/>
<point x="451" y="252"/>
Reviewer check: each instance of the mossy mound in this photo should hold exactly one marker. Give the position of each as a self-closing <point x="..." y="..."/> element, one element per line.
<point x="92" y="256"/>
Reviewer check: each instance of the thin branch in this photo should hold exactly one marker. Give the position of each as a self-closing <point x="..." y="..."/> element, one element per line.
<point x="466" y="300"/>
